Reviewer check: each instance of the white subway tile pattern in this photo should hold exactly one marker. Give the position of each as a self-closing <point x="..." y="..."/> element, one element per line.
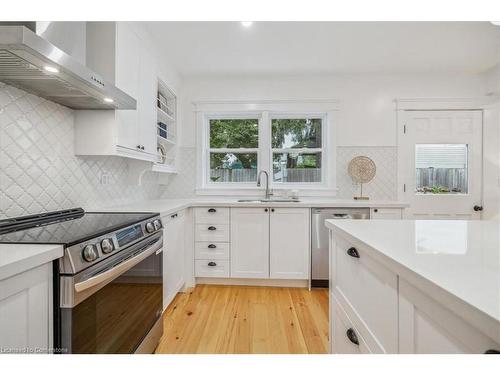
<point x="39" y="171"/>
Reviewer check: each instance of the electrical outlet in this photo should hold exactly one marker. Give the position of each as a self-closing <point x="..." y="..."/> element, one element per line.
<point x="105" y="179"/>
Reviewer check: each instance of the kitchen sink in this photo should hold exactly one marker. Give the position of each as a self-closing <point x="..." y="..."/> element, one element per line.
<point x="275" y="200"/>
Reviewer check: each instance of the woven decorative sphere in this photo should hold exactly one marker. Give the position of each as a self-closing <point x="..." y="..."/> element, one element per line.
<point x="362" y="169"/>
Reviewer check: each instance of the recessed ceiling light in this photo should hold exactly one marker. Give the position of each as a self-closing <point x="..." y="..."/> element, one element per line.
<point x="247" y="23"/>
<point x="108" y="100"/>
<point x="51" y="69"/>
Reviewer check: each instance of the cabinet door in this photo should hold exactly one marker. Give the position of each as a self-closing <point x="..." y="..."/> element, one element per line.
<point x="128" y="55"/>
<point x="289" y="243"/>
<point x="147" y="102"/>
<point x="26" y="309"/>
<point x="173" y="256"/>
<point x="250" y="242"/>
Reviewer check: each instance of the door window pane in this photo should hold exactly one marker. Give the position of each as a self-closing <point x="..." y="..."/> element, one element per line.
<point x="296" y="133"/>
<point x="234" y="133"/>
<point x="298" y="167"/>
<point x="233" y="167"/>
<point x="441" y="168"/>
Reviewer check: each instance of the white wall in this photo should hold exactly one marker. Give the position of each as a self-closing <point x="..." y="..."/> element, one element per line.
<point x="367" y="116"/>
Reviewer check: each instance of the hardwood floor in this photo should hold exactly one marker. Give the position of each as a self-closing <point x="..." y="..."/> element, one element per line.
<point x="238" y="319"/>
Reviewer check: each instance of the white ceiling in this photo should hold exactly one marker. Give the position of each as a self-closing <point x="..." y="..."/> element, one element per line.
<point x="287" y="48"/>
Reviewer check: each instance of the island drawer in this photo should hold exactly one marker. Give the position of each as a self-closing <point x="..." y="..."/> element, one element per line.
<point x="346" y="339"/>
<point x="211" y="268"/>
<point x="368" y="292"/>
<point x="212" y="232"/>
<point x="212" y="250"/>
<point x="211" y="215"/>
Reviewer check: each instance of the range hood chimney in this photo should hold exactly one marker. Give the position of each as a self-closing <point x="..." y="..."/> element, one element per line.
<point x="31" y="63"/>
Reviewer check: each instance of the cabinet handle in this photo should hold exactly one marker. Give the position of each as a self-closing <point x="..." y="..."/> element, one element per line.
<point x="351" y="335"/>
<point x="212" y="210"/>
<point x="272" y="209"/>
<point x="478" y="208"/>
<point x="353" y="252"/>
<point x="266" y="210"/>
<point x="173" y="216"/>
<point x="142" y="147"/>
<point x="212" y="264"/>
<point x="212" y="246"/>
<point x="375" y="210"/>
<point x="139" y="147"/>
<point x="212" y="228"/>
<point x="492" y="351"/>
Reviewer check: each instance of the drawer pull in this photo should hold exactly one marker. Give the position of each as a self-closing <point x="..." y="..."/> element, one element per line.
<point x="353" y="252"/>
<point x="212" y="228"/>
<point x="492" y="351"/>
<point x="212" y="210"/>
<point x="212" y="246"/>
<point x="351" y="335"/>
<point x="212" y="264"/>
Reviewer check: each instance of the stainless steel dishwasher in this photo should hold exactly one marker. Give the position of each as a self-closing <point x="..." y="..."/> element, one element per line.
<point x="319" y="239"/>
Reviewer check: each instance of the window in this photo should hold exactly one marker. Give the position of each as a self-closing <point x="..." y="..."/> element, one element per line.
<point x="233" y="150"/>
<point x="297" y="150"/>
<point x="290" y="146"/>
<point x="441" y="169"/>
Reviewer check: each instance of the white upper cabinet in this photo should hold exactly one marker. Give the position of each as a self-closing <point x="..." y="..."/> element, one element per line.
<point x="250" y="243"/>
<point x="121" y="54"/>
<point x="289" y="243"/>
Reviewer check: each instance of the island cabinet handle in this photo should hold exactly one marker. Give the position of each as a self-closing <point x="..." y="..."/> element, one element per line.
<point x="212" y="264"/>
<point x="212" y="210"/>
<point x="212" y="246"/>
<point x="353" y="252"/>
<point x="351" y="335"/>
<point x="212" y="228"/>
<point x="492" y="351"/>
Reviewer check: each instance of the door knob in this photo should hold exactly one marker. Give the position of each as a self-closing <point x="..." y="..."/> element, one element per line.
<point x="478" y="208"/>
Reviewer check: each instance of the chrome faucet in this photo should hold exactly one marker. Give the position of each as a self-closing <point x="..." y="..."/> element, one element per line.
<point x="268" y="192"/>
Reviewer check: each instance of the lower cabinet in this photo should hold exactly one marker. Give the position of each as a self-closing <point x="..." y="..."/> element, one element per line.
<point x="289" y="243"/>
<point x="270" y="243"/>
<point x="250" y="243"/>
<point x="173" y="256"/>
<point x="26" y="310"/>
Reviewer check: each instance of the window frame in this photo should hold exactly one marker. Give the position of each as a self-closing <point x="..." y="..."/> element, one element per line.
<point x="324" y="158"/>
<point x="263" y="110"/>
<point x="207" y="150"/>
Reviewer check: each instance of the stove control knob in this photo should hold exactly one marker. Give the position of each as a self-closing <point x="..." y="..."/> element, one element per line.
<point x="89" y="253"/>
<point x="157" y="224"/>
<point x="107" y="245"/>
<point x="150" y="228"/>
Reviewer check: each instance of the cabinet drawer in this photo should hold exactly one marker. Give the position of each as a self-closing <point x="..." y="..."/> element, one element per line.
<point x="212" y="232"/>
<point x="211" y="268"/>
<point x="342" y="329"/>
<point x="386" y="213"/>
<point x="212" y="250"/>
<point x="368" y="292"/>
<point x="211" y="215"/>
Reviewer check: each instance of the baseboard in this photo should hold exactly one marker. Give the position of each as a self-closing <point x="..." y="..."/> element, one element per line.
<point x="253" y="282"/>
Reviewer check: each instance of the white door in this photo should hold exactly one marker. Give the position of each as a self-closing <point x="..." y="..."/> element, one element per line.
<point x="173" y="256"/>
<point x="289" y="243"/>
<point x="250" y="242"/>
<point x="440" y="163"/>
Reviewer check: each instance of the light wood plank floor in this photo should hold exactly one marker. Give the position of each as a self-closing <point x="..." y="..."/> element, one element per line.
<point x="237" y="319"/>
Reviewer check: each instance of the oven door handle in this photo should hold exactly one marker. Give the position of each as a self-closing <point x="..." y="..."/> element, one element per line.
<point x="120" y="268"/>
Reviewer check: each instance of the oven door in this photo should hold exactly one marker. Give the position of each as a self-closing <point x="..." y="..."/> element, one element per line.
<point x="112" y="308"/>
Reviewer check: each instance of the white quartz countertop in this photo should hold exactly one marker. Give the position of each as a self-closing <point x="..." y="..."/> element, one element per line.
<point x="18" y="258"/>
<point x="460" y="257"/>
<point x="167" y="206"/>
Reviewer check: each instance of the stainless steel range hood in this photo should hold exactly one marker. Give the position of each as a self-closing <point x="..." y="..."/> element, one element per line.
<point x="31" y="63"/>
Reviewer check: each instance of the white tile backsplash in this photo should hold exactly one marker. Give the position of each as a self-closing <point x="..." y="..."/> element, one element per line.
<point x="38" y="168"/>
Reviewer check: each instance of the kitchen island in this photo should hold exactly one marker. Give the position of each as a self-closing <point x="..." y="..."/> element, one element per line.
<point x="414" y="286"/>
